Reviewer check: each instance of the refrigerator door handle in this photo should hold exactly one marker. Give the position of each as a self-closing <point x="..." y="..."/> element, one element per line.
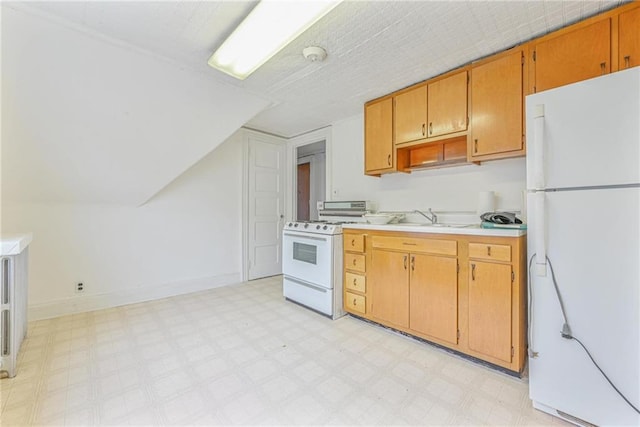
<point x="538" y="147"/>
<point x="539" y="235"/>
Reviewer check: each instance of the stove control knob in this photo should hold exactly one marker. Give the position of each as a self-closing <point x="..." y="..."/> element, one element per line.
<point x="317" y="227"/>
<point x="325" y="227"/>
<point x="295" y="225"/>
<point x="290" y="224"/>
<point x="306" y="226"/>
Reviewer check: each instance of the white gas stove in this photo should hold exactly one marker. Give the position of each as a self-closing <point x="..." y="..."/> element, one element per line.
<point x="312" y="258"/>
<point x="315" y="227"/>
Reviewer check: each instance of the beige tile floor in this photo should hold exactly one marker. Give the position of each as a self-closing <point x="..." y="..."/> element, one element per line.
<point x="243" y="355"/>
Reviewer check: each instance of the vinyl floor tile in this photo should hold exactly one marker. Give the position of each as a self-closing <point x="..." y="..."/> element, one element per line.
<point x="242" y="355"/>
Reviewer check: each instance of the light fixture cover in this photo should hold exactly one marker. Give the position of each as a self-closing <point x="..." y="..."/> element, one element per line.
<point x="270" y="26"/>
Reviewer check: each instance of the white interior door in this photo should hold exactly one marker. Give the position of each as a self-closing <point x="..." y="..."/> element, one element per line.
<point x="266" y="181"/>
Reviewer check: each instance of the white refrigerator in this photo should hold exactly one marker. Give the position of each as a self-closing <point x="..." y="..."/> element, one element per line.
<point x="583" y="213"/>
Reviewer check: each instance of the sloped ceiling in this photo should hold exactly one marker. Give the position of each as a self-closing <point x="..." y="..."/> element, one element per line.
<point x="374" y="47"/>
<point x="86" y="120"/>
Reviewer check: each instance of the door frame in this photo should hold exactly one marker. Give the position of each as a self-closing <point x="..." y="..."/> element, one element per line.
<point x="247" y="136"/>
<point x="318" y="135"/>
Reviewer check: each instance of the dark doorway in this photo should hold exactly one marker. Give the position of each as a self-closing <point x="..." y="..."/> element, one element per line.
<point x="304" y="191"/>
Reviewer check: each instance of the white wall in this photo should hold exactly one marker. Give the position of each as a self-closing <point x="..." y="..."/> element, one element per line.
<point x="448" y="189"/>
<point x="186" y="238"/>
<point x="91" y="119"/>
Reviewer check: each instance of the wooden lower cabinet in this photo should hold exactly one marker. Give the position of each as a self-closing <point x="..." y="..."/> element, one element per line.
<point x="433" y="306"/>
<point x="355" y="302"/>
<point x="390" y="287"/>
<point x="467" y="293"/>
<point x="355" y="296"/>
<point x="490" y="309"/>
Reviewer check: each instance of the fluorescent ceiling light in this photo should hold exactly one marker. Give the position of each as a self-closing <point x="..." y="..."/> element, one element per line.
<point x="270" y="26"/>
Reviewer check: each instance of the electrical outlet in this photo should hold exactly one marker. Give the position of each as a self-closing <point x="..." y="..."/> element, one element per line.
<point x="80" y="288"/>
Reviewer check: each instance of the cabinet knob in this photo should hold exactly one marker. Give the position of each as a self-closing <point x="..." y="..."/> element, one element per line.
<point x="627" y="60"/>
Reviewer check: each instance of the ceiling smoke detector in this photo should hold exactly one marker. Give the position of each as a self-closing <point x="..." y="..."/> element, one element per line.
<point x="314" y="53"/>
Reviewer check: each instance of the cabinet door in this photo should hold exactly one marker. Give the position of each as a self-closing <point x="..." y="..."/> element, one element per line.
<point x="433" y="287"/>
<point x="496" y="106"/>
<point x="571" y="57"/>
<point x="389" y="281"/>
<point x="490" y="309"/>
<point x="447" y="105"/>
<point x="411" y="115"/>
<point x="378" y="142"/>
<point x="629" y="39"/>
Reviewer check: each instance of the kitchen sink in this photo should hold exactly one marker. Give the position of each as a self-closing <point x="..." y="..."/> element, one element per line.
<point x="436" y="225"/>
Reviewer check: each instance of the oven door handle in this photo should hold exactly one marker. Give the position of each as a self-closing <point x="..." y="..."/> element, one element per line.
<point x="307" y="284"/>
<point x="303" y="236"/>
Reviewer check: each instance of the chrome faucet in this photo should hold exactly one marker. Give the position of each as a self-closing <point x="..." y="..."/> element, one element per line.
<point x="433" y="218"/>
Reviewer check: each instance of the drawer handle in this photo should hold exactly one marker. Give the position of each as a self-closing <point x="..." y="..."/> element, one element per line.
<point x="354" y="282"/>
<point x="413" y="263"/>
<point x="354" y="261"/>
<point x="473" y="272"/>
<point x="627" y="60"/>
<point x="603" y="67"/>
<point x="405" y="262"/>
<point x="488" y="250"/>
<point x="353" y="242"/>
<point x="354" y="302"/>
<point x="408" y="244"/>
<point x="423" y="129"/>
<point x="389" y="159"/>
<point x="475" y="145"/>
<point x="430" y="128"/>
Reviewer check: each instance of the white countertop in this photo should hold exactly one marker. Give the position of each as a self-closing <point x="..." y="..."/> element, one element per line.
<point x="14" y="243"/>
<point x="471" y="230"/>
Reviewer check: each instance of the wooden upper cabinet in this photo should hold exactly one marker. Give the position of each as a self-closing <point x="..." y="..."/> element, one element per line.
<point x="496" y="106"/>
<point x="378" y="137"/>
<point x="573" y="56"/>
<point x="447" y="105"/>
<point x="411" y="115"/>
<point x="629" y="39"/>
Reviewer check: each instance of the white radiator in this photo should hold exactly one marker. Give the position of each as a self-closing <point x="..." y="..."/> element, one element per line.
<point x="13" y="317"/>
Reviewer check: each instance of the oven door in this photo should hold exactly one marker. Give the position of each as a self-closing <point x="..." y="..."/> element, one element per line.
<point x="308" y="257"/>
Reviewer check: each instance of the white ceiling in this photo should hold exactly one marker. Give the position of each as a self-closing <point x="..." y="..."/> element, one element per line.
<point x="374" y="47"/>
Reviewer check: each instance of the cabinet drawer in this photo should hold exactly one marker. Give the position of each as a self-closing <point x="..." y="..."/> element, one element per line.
<point x="355" y="282"/>
<point x="354" y="302"/>
<point x="408" y="244"/>
<point x="354" y="262"/>
<point x="354" y="242"/>
<point x="490" y="251"/>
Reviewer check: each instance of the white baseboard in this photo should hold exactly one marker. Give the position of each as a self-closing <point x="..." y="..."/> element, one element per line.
<point x="84" y="303"/>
